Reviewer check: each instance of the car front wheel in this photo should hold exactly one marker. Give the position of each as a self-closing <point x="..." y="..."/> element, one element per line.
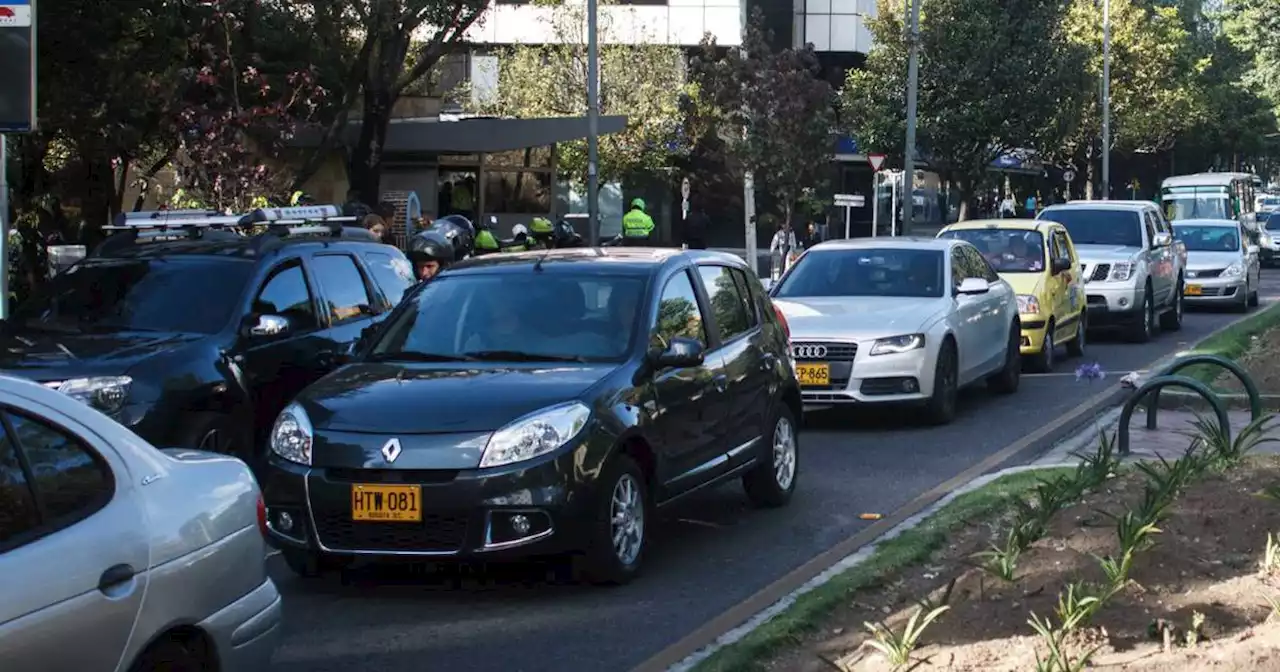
<point x="941" y="407"/>
<point x="771" y="483"/>
<point x="1143" y="328"/>
<point x="619" y="532"/>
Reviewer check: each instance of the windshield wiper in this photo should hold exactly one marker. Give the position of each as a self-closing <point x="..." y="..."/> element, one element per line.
<point x="412" y="356"/>
<point x="518" y="356"/>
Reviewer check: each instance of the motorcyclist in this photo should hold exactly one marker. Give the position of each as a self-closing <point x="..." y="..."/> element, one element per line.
<point x="430" y="252"/>
<point x="541" y="234"/>
<point x="637" y="226"/>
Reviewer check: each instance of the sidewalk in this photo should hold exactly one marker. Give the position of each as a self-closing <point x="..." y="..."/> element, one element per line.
<point x="1168" y="440"/>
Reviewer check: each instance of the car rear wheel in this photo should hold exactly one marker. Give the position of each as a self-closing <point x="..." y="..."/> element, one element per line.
<point x="1007" y="380"/>
<point x="1078" y="343"/>
<point x="941" y="407"/>
<point x="1143" y="328"/>
<point x="619" y="533"/>
<point x="1171" y="320"/>
<point x="771" y="483"/>
<point x="215" y="433"/>
<point x="173" y="653"/>
<point x="311" y="564"/>
<point x="1043" y="361"/>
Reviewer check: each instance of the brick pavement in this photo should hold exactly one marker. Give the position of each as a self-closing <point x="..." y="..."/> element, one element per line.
<point x="1169" y="440"/>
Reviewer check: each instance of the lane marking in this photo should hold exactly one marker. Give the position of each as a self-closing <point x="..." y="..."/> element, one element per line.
<point x="738" y="614"/>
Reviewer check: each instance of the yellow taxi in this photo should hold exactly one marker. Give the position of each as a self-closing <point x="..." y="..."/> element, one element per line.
<point x="1037" y="258"/>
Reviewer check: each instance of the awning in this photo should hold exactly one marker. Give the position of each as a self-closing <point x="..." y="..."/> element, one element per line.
<point x="473" y="135"/>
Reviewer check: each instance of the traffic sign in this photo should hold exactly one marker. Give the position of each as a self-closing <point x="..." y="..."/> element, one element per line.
<point x="876" y="161"/>
<point x="850" y="200"/>
<point x="1069" y="175"/>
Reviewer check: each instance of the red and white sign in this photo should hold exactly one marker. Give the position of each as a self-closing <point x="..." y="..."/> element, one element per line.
<point x="15" y="16"/>
<point x="876" y="160"/>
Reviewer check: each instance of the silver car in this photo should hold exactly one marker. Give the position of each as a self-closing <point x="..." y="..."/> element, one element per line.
<point x="1222" y="267"/>
<point x="898" y="320"/>
<point x="118" y="556"/>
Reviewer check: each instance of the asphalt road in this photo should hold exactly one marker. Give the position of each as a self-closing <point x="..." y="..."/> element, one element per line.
<point x="707" y="556"/>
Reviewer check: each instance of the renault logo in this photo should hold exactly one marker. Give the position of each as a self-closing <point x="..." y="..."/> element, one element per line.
<point x="808" y="351"/>
<point x="391" y="449"/>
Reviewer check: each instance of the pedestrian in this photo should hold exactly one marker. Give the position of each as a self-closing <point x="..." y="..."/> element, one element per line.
<point x="1008" y="207"/>
<point x="637" y="225"/>
<point x="375" y="225"/>
<point x="784" y="242"/>
<point x="1031" y="206"/>
<point x="696" y="225"/>
<point x="812" y="234"/>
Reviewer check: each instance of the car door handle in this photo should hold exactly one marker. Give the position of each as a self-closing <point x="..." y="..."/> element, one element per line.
<point x="721" y="382"/>
<point x="114" y="576"/>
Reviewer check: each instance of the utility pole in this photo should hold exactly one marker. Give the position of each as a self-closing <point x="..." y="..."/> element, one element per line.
<point x="593" y="125"/>
<point x="913" y="86"/>
<point x="1106" y="100"/>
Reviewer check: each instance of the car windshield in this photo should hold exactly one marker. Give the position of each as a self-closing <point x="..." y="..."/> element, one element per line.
<point x="1008" y="250"/>
<point x="1271" y="221"/>
<point x="865" y="272"/>
<point x="1099" y="227"/>
<point x="540" y="318"/>
<point x="1197" y="206"/>
<point x="1208" y="238"/>
<point x="196" y="295"/>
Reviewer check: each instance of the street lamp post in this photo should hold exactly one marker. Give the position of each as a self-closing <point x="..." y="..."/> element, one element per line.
<point x="593" y="125"/>
<point x="1106" y="99"/>
<point x="913" y="86"/>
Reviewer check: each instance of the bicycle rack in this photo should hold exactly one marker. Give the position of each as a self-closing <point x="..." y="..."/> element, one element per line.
<point x="1255" y="398"/>
<point x="1152" y="388"/>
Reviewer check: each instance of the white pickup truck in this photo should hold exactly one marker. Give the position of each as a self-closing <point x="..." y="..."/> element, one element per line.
<point x="1132" y="266"/>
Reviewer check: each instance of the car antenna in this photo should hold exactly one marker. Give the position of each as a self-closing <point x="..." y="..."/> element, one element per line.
<point x="537" y="265"/>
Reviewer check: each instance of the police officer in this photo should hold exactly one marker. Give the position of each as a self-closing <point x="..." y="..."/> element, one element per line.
<point x="430" y="252"/>
<point x="637" y="226"/>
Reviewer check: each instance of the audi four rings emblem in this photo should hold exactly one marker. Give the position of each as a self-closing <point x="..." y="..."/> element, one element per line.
<point x="391" y="449"/>
<point x="808" y="351"/>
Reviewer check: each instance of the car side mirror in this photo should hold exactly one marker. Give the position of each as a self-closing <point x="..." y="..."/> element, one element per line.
<point x="1251" y="248"/>
<point x="681" y="352"/>
<point x="269" y="326"/>
<point x="973" y="286"/>
<point x="1060" y="265"/>
<point x="1162" y="240"/>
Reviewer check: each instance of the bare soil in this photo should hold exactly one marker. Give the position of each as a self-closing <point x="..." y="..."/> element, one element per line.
<point x="1206" y="560"/>
<point x="1262" y="361"/>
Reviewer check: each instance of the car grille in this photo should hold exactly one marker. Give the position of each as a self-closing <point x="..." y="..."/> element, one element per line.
<point x="1206" y="273"/>
<point x="437" y="533"/>
<point x="803" y="351"/>
<point x="1100" y="273"/>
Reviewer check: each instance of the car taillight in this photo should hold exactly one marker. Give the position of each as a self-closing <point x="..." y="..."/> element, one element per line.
<point x="782" y="319"/>
<point x="262" y="516"/>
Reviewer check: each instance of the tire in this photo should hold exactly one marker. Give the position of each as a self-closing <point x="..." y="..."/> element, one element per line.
<point x="941" y="407"/>
<point x="173" y="654"/>
<point x="1144" y="329"/>
<point x="216" y="433"/>
<point x="605" y="563"/>
<point x="1253" y="297"/>
<point x="1171" y="320"/>
<point x="1007" y="379"/>
<point x="1244" y="304"/>
<point x="1043" y="361"/>
<point x="1079" y="343"/>
<point x="770" y="484"/>
<point x="311" y="564"/>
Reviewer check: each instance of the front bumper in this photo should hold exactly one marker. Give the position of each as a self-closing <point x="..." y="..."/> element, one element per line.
<point x="865" y="379"/>
<point x="465" y="513"/>
<point x="245" y="632"/>
<point x="1113" y="303"/>
<point x="1214" y="290"/>
<point x="1033" y="330"/>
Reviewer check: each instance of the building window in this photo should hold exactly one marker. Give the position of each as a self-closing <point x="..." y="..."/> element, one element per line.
<point x="517" y="192"/>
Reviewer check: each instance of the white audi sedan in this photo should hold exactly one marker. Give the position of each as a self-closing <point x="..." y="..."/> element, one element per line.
<point x="898" y="320"/>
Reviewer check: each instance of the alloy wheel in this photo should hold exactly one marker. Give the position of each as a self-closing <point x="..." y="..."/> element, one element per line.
<point x="626" y="513"/>
<point x="784" y="454"/>
<point x="948" y="380"/>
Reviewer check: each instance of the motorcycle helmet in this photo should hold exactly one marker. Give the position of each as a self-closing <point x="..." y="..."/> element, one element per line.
<point x="460" y="233"/>
<point x="566" y="235"/>
<point x="637" y="203"/>
<point x="486" y="242"/>
<point x="431" y="246"/>
<point x="541" y="229"/>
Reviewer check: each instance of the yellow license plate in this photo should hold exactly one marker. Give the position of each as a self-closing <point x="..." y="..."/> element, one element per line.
<point x="387" y="503"/>
<point x="1192" y="290"/>
<point x="813" y="374"/>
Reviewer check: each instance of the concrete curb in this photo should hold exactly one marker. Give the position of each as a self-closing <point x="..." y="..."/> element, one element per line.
<point x="1177" y="400"/>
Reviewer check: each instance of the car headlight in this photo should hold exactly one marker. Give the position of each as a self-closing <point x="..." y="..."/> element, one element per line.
<point x="1233" y="271"/>
<point x="1122" y="270"/>
<point x="292" y="435"/>
<point x="897" y="344"/>
<point x="105" y="393"/>
<point x="1028" y="304"/>
<point x="535" y="434"/>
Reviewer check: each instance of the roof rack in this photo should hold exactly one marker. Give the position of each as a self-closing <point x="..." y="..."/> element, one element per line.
<point x="325" y="221"/>
<point x="161" y="217"/>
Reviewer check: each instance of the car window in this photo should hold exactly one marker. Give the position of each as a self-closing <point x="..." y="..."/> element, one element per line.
<point x="1101" y="226"/>
<point x="678" y="313"/>
<point x="1062" y="248"/>
<point x="750" y="299"/>
<point x="979" y="267"/>
<point x="109" y="295"/>
<point x="1008" y="250"/>
<point x="342" y="285"/>
<point x="1209" y="237"/>
<point x="958" y="267"/>
<point x="887" y="271"/>
<point x="730" y="309"/>
<point x="71" y="481"/>
<point x="285" y="293"/>
<point x="394" y="275"/>
<point x="18" y="514"/>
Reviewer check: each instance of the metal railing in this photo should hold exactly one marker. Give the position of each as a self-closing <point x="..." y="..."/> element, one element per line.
<point x="1168" y="377"/>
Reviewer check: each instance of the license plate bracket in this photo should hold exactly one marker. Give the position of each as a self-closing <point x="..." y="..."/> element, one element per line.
<point x="813" y="374"/>
<point x="378" y="503"/>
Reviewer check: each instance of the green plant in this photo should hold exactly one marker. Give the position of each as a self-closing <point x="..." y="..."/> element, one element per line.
<point x="929" y="604"/>
<point x="1116" y="570"/>
<point x="1274" y="603"/>
<point x="1270" y="556"/>
<point x="1167" y="478"/>
<point x="1057" y="659"/>
<point x="1051" y="495"/>
<point x="1077" y="605"/>
<point x="1001" y="562"/>
<point x="1029" y="523"/>
<point x="897" y="646"/>
<point x="1271" y="492"/>
<point x="1195" y="633"/>
<point x="1095" y="468"/>
<point x="1224" y="450"/>
<point x="1132" y="531"/>
<point x="1154" y="507"/>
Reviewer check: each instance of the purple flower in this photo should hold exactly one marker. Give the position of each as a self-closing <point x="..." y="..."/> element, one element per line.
<point x="1090" y="372"/>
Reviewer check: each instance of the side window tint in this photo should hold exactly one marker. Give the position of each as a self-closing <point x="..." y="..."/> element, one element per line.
<point x="285" y="294"/>
<point x="980" y="267"/>
<point x="342" y="286"/>
<point x="1151" y="230"/>
<point x="957" y="267"/>
<point x="72" y="481"/>
<point x="18" y="513"/>
<point x="750" y="300"/>
<point x="678" y="313"/>
<point x="726" y="304"/>
<point x="394" y="275"/>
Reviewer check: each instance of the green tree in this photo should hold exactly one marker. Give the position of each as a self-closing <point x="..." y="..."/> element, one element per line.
<point x="641" y="81"/>
<point x="995" y="76"/>
<point x="769" y="112"/>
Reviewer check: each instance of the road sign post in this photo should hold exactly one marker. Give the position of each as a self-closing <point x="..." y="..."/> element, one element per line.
<point x="848" y="202"/>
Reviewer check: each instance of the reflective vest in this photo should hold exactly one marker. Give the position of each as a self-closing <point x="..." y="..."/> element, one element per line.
<point x="461" y="197"/>
<point x="636" y="224"/>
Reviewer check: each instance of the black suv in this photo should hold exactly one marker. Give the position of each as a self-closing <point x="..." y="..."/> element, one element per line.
<point x="539" y="403"/>
<point x="194" y="335"/>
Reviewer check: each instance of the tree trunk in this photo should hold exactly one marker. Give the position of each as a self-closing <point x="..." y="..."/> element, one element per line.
<point x="1089" y="175"/>
<point x="365" y="168"/>
<point x="964" y="186"/>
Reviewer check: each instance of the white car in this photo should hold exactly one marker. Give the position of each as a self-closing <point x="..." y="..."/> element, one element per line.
<point x="117" y="556"/>
<point x="899" y="320"/>
<point x="1222" y="266"/>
